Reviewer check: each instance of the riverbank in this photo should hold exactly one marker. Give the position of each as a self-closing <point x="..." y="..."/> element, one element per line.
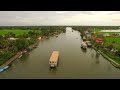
<point x="19" y="54"/>
<point x="31" y="47"/>
<point x="112" y="61"/>
<point x="117" y="65"/>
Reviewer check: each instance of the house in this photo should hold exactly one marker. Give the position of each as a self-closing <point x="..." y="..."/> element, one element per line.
<point x="86" y="32"/>
<point x="39" y="38"/>
<point x="28" y="38"/>
<point x="99" y="40"/>
<point x="88" y="35"/>
<point x="93" y="36"/>
<point x="12" y="38"/>
<point x="117" y="34"/>
<point x="106" y="34"/>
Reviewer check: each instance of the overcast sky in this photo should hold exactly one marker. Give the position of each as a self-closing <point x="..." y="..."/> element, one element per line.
<point x="25" y="18"/>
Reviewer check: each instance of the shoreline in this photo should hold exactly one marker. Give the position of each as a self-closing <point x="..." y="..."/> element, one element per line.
<point x="115" y="64"/>
<point x="20" y="53"/>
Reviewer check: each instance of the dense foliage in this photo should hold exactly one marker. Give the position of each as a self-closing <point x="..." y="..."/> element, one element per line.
<point x="24" y="37"/>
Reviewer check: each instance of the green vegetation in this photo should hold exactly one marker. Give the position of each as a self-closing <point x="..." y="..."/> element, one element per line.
<point x="24" y="37"/>
<point x="17" y="32"/>
<point x="111" y="44"/>
<point x="112" y="40"/>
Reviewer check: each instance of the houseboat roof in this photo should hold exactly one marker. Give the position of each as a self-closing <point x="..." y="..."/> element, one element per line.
<point x="54" y="56"/>
<point x="84" y="44"/>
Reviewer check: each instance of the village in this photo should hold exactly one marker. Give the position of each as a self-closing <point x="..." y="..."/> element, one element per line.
<point x="12" y="47"/>
<point x="105" y="43"/>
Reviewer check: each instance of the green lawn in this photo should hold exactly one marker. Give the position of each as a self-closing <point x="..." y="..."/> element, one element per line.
<point x="17" y="32"/>
<point x="109" y="41"/>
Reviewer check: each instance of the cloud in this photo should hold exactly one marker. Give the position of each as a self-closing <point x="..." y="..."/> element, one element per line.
<point x="59" y="12"/>
<point x="60" y="18"/>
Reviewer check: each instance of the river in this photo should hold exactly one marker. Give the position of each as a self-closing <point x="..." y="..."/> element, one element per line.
<point x="74" y="63"/>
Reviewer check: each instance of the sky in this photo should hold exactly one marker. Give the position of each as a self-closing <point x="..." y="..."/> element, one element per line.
<point x="92" y="18"/>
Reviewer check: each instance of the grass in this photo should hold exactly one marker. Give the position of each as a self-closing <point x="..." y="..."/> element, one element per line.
<point x="17" y="32"/>
<point x="109" y="40"/>
<point x="114" y="57"/>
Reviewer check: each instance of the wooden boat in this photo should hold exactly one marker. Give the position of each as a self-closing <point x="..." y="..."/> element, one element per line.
<point x="88" y="43"/>
<point x="20" y="56"/>
<point x="54" y="59"/>
<point x="3" y="68"/>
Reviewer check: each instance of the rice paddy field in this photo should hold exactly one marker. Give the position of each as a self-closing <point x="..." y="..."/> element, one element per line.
<point x="17" y="32"/>
<point x="109" y="41"/>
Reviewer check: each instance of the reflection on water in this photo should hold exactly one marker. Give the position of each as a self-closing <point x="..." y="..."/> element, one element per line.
<point x="97" y="61"/>
<point x="97" y="55"/>
<point x="53" y="70"/>
<point x="92" y="55"/>
<point x="24" y="57"/>
<point x="84" y="50"/>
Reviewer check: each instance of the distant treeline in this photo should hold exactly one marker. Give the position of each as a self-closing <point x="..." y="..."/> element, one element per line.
<point x="9" y="48"/>
<point x="94" y="27"/>
<point x="53" y="27"/>
<point x="30" y="27"/>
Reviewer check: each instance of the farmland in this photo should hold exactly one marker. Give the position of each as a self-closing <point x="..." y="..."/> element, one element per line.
<point x="110" y="40"/>
<point x="17" y="31"/>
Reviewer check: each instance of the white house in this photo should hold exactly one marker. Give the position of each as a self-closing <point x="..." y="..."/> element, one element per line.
<point x="12" y="38"/>
<point x="106" y="34"/>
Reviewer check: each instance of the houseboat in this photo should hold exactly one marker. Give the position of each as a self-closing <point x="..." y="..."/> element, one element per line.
<point x="88" y="44"/>
<point x="84" y="45"/>
<point x="54" y="59"/>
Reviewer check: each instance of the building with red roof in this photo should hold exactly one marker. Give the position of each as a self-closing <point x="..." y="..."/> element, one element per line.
<point x="99" y="40"/>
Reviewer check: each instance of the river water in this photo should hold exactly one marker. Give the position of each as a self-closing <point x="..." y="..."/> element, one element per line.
<point x="74" y="63"/>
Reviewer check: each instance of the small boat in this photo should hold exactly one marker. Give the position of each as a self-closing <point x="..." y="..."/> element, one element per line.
<point x="84" y="45"/>
<point x="20" y="56"/>
<point x="1" y="70"/>
<point x="5" y="67"/>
